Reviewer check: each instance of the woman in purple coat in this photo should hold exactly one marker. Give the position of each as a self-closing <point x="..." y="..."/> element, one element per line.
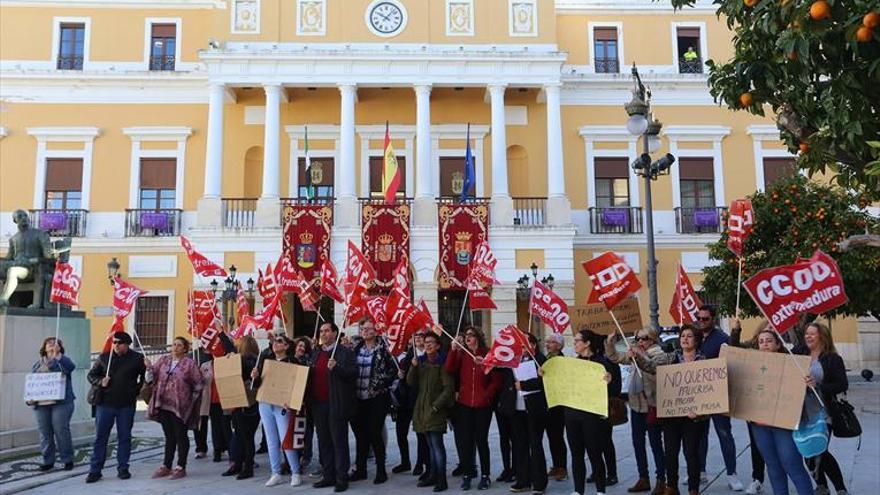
<point x="177" y="382"/>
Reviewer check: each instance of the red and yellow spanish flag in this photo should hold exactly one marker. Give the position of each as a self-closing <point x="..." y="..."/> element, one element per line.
<point x="390" y="172"/>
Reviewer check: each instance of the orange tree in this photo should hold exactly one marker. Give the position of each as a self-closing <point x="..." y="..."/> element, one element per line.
<point x="816" y="64"/>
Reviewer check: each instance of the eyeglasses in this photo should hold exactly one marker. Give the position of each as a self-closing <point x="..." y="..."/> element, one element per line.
<point x="118" y="342"/>
<point x="704" y="318"/>
<point x="643" y="338"/>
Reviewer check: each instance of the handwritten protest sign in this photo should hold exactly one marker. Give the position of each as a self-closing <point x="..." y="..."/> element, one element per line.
<point x="699" y="387"/>
<point x="283" y="384"/>
<point x="44" y="386"/>
<point x="230" y="385"/>
<point x="765" y="387"/>
<point x="597" y="318"/>
<point x="576" y="383"/>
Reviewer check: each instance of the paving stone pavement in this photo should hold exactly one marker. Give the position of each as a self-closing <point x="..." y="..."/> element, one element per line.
<point x="859" y="463"/>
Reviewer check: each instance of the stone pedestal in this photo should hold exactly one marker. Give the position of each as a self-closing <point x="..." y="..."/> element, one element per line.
<point x="21" y="334"/>
<point x="558" y="211"/>
<point x="209" y="213"/>
<point x="501" y="211"/>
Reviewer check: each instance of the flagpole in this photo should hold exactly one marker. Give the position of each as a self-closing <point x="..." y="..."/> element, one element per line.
<point x="339" y="334"/>
<point x="803" y="372"/>
<point x="461" y="316"/>
<point x="318" y="318"/>
<point x="57" y="321"/>
<point x="456" y="342"/>
<point x="628" y="346"/>
<point x="681" y="296"/>
<point x="739" y="277"/>
<point x="388" y="346"/>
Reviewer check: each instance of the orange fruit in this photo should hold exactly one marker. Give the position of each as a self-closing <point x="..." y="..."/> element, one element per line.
<point x="864" y="34"/>
<point x="871" y="20"/>
<point x="804" y="147"/>
<point x="820" y="10"/>
<point x="750" y="3"/>
<point x="793" y="55"/>
<point x="745" y="99"/>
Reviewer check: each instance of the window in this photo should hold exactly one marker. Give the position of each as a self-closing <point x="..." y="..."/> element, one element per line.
<point x="612" y="182"/>
<point x="151" y="321"/>
<point x="690" y="60"/>
<point x="63" y="184"/>
<point x="377" y="163"/>
<point x="322" y="177"/>
<point x="605" y="50"/>
<point x="72" y="47"/>
<point x="777" y="168"/>
<point x="163" y="45"/>
<point x="158" y="183"/>
<point x="452" y="177"/>
<point x="449" y="311"/>
<point x="697" y="183"/>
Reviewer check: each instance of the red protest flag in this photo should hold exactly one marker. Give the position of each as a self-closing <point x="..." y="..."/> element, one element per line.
<point x="479" y="298"/>
<point x="202" y="265"/>
<point x="613" y="280"/>
<point x="266" y="283"/>
<point x="329" y="281"/>
<point x="400" y="277"/>
<point x="506" y="351"/>
<point x="307" y="295"/>
<point x="200" y="310"/>
<point x="404" y="319"/>
<point x="65" y="285"/>
<point x="685" y="301"/>
<point x="783" y="292"/>
<point x="124" y="296"/>
<point x="248" y="325"/>
<point x="117" y="326"/>
<point x="740" y="220"/>
<point x="376" y="311"/>
<point x="483" y="266"/>
<point x="242" y="307"/>
<point x="427" y="313"/>
<point x="359" y="274"/>
<point x="548" y="306"/>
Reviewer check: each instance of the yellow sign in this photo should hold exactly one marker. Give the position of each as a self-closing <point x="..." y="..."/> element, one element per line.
<point x="576" y="383"/>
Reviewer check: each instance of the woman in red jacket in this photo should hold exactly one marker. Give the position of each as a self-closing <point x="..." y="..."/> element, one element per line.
<point x="473" y="410"/>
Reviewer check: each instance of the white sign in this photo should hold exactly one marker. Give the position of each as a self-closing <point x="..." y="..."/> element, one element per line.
<point x="44" y="386"/>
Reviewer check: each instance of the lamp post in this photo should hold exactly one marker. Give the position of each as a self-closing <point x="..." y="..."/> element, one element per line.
<point x="642" y="123"/>
<point x="229" y="293"/>
<point x="112" y="270"/>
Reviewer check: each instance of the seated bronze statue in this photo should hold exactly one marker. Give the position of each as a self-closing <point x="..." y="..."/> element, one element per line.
<point x="30" y="258"/>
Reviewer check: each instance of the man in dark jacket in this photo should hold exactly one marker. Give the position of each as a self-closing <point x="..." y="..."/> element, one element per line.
<point x="332" y="394"/>
<point x="118" y="391"/>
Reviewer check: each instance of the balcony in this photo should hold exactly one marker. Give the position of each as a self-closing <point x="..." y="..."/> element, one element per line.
<point x="70" y="62"/>
<point x="381" y="201"/>
<point x="700" y="220"/>
<point x="616" y="220"/>
<point x="607" y="66"/>
<point x="239" y="213"/>
<point x="287" y="205"/>
<point x="152" y="223"/>
<point x="455" y="200"/>
<point x="694" y="66"/>
<point x="530" y="211"/>
<point x="60" y="222"/>
<point x="162" y="62"/>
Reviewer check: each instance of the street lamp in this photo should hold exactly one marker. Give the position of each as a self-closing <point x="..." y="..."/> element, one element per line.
<point x="642" y="123"/>
<point x="112" y="270"/>
<point x="228" y="293"/>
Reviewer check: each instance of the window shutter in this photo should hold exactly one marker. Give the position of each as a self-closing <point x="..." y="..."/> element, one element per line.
<point x="696" y="168"/>
<point x="605" y="34"/>
<point x="158" y="173"/>
<point x="689" y="32"/>
<point x="64" y="174"/>
<point x="777" y="168"/>
<point x="611" y="167"/>
<point x="164" y="30"/>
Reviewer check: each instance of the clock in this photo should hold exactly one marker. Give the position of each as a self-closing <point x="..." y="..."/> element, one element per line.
<point x="386" y="17"/>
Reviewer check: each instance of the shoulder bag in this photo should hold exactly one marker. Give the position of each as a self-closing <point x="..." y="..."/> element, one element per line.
<point x="844" y="422"/>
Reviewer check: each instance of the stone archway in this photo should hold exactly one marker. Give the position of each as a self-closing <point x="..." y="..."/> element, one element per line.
<point x="252" y="183"/>
<point x="518" y="170"/>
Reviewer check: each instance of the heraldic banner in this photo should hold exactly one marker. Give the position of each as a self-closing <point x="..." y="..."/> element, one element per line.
<point x="462" y="228"/>
<point x="306" y="237"/>
<point x="385" y="238"/>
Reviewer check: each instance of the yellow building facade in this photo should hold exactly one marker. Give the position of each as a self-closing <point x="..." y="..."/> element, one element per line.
<point x="198" y="109"/>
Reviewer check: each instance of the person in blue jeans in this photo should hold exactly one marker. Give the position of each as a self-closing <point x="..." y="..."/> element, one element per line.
<point x="119" y="376"/>
<point x="713" y="339"/>
<point x="53" y="420"/>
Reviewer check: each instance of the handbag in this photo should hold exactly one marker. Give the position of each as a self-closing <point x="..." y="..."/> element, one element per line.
<point x="95" y="395"/>
<point x="617" y="411"/>
<point x="811" y="436"/>
<point x="844" y="422"/>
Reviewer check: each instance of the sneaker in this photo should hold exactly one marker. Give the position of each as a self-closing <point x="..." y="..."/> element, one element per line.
<point x="317" y="473"/>
<point x="465" y="483"/>
<point x="161" y="472"/>
<point x="123" y="474"/>
<point x="275" y="479"/>
<point x="704" y="478"/>
<point x="93" y="477"/>
<point x="485" y="481"/>
<point x="754" y="487"/>
<point x="295" y="480"/>
<point x="734" y="483"/>
<point x="177" y="473"/>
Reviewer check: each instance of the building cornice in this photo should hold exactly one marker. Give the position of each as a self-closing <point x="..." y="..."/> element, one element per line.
<point x="696" y="132"/>
<point x="68" y="134"/>
<point x="575" y="7"/>
<point x="316" y="131"/>
<point x="118" y="4"/>
<point x="158" y="133"/>
<point x="606" y="133"/>
<point x="764" y="132"/>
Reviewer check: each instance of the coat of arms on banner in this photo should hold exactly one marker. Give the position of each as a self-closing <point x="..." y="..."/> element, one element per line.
<point x="385" y="248"/>
<point x="385" y="239"/>
<point x="306" y="239"/>
<point x="306" y="252"/>
<point x="457" y="183"/>
<point x="463" y="247"/>
<point x="461" y="227"/>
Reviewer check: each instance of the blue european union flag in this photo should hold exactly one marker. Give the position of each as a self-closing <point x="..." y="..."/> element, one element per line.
<point x="469" y="173"/>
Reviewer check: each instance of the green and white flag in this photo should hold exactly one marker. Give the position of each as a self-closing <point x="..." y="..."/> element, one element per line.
<point x="310" y="193"/>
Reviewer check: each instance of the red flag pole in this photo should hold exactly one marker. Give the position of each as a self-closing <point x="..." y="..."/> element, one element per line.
<point x="628" y="346"/>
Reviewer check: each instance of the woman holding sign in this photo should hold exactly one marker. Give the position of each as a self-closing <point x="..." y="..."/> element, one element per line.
<point x="53" y="417"/>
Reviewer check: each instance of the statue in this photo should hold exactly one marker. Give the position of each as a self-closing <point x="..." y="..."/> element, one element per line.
<point x="30" y="258"/>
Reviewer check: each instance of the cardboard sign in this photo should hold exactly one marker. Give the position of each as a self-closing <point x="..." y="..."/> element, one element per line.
<point x="44" y="386"/>
<point x="576" y="383"/>
<point x="595" y="317"/>
<point x="230" y="385"/>
<point x="283" y="383"/>
<point x="699" y="387"/>
<point x="765" y="387"/>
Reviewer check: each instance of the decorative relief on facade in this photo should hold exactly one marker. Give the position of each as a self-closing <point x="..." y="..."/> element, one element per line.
<point x="246" y="16"/>
<point x="311" y="17"/>
<point x="523" y="18"/>
<point x="459" y="18"/>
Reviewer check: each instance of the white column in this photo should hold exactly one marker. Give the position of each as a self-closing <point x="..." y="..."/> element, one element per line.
<point x="558" y="206"/>
<point x="346" y="214"/>
<point x="271" y="144"/>
<point x="423" y="141"/>
<point x="214" y="145"/>
<point x="499" y="142"/>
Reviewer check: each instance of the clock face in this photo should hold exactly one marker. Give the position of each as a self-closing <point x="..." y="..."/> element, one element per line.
<point x="386" y="18"/>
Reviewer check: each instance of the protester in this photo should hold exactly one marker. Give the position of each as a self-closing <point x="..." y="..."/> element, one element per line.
<point x="554" y="343"/>
<point x="245" y="420"/>
<point x="680" y="431"/>
<point x="436" y="396"/>
<point x="275" y="418"/>
<point x="642" y="399"/>
<point x="473" y="410"/>
<point x="713" y="339"/>
<point x="332" y="384"/>
<point x="776" y="445"/>
<point x="376" y="369"/>
<point x="200" y="434"/>
<point x="609" y="453"/>
<point x="757" y="483"/>
<point x="116" y="393"/>
<point x="584" y="428"/>
<point x="405" y="401"/>
<point x="505" y="444"/>
<point x="53" y="417"/>
<point x="177" y="382"/>
<point x="301" y="354"/>
<point x="827" y="375"/>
